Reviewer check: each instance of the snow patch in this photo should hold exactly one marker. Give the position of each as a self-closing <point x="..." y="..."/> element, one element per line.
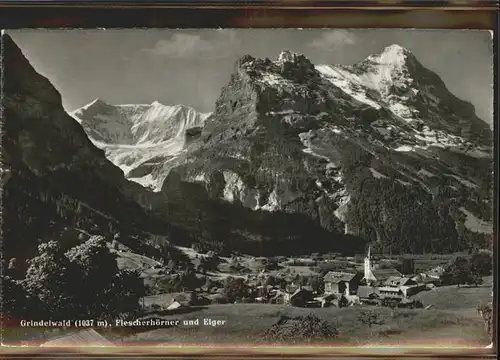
<point x="475" y="224"/>
<point x="272" y="80"/>
<point x="200" y="178"/>
<point x="405" y="183"/>
<point x="305" y="138"/>
<point x="347" y="82"/>
<point x="149" y="182"/>
<point x="284" y="112"/>
<point x="376" y="174"/>
<point x="425" y="173"/>
<point x="404" y="148"/>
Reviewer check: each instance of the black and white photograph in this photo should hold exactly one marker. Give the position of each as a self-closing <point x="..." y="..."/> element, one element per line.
<point x="247" y="186"/>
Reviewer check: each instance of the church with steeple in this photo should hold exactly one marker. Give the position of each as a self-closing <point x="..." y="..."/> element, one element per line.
<point x="368" y="274"/>
<point x="373" y="275"/>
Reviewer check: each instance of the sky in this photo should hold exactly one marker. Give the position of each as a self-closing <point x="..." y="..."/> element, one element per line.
<point x="183" y="66"/>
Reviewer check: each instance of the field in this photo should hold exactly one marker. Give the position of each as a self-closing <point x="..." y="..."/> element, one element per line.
<point x="453" y="320"/>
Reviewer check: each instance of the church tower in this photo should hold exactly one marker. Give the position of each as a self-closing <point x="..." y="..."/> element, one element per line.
<point x="368" y="267"/>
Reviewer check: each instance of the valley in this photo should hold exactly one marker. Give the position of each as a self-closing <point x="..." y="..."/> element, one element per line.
<point x="347" y="201"/>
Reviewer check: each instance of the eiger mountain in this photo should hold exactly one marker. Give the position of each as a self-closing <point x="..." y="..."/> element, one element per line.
<point x="56" y="184"/>
<point x="138" y="137"/>
<point x="295" y="158"/>
<point x="381" y="150"/>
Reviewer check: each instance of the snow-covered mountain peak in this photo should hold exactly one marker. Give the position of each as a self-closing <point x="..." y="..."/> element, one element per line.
<point x="95" y="105"/>
<point x="394" y="57"/>
<point x="96" y="102"/>
<point x="156" y="103"/>
<point x="393" y="53"/>
<point x="287" y="56"/>
<point x="134" y="134"/>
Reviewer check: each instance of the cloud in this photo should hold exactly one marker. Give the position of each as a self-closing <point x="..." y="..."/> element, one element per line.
<point x="221" y="44"/>
<point x="334" y="39"/>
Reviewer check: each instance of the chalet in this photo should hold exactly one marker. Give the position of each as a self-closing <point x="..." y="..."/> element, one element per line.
<point x="367" y="292"/>
<point x="279" y="297"/>
<point x="387" y="292"/>
<point x="413" y="289"/>
<point x="425" y="279"/>
<point x="341" y="282"/>
<point x="396" y="281"/>
<point x="380" y="276"/>
<point x="176" y="305"/>
<point x="291" y="288"/>
<point x="300" y="297"/>
<point x="184" y="299"/>
<point x="326" y="299"/>
<point x="419" y="278"/>
<point x="84" y="338"/>
<point x="408" y="286"/>
<point x="436" y="273"/>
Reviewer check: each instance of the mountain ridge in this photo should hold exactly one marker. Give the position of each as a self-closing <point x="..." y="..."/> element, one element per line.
<point x="56" y="185"/>
<point x="286" y="137"/>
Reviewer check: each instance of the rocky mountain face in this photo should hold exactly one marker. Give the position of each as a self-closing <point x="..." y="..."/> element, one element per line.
<point x="138" y="137"/>
<point x="56" y="184"/>
<point x="379" y="150"/>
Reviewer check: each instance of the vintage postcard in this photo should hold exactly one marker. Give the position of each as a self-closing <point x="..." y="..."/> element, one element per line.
<point x="247" y="187"/>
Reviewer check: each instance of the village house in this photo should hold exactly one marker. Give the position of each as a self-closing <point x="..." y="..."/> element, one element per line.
<point x="300" y="297"/>
<point x="341" y="282"/>
<point x="413" y="289"/>
<point x="368" y="295"/>
<point x="387" y="292"/>
<point x="430" y="282"/>
<point x="280" y="297"/>
<point x="291" y="288"/>
<point x="396" y="281"/>
<point x="436" y="273"/>
<point x="406" y="285"/>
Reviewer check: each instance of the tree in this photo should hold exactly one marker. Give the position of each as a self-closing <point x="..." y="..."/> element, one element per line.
<point x="482" y="263"/>
<point x="209" y="263"/>
<point x="180" y="282"/>
<point x="343" y="302"/>
<point x="317" y="283"/>
<point x="486" y="312"/>
<point x="53" y="280"/>
<point x="370" y="318"/>
<point x="13" y="298"/>
<point x="104" y="290"/>
<point x="462" y="272"/>
<point x="193" y="298"/>
<point x="300" y="329"/>
<point x="235" y="288"/>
